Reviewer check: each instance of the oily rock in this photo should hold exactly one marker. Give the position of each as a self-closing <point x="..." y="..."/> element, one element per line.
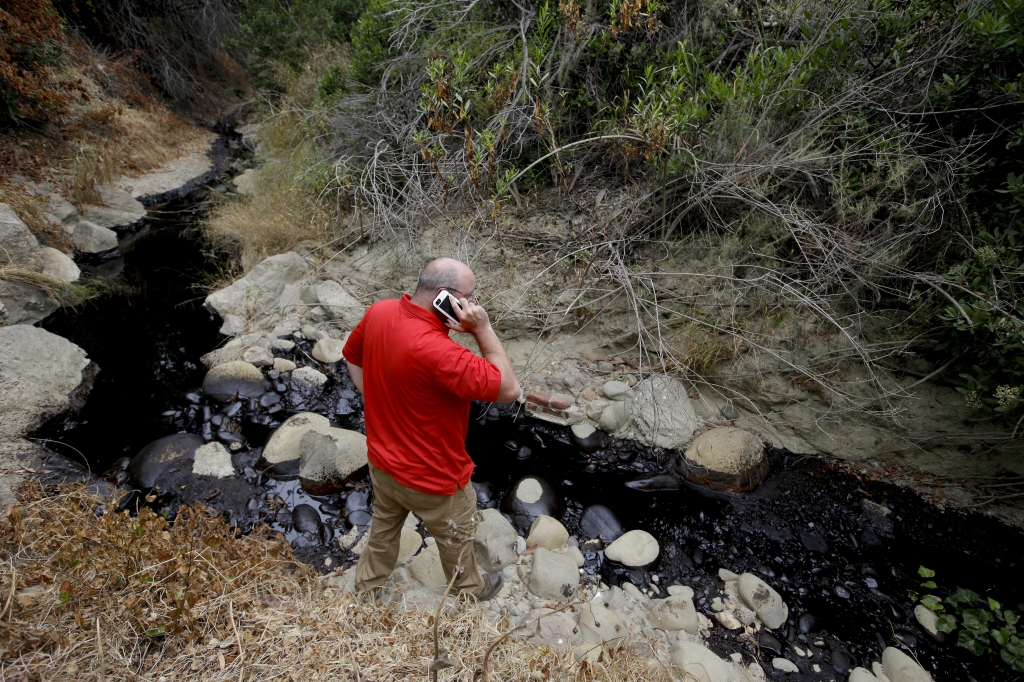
<point x="155" y="465"/>
<point x="553" y="576"/>
<point x="675" y="613"/>
<point x="598" y="521"/>
<point x="259" y="290"/>
<point x="662" y="412"/>
<point x="308" y="380"/>
<point x="725" y="459"/>
<point x="530" y="497"/>
<point x="281" y="453"/>
<point x="763" y="600"/>
<point x="586" y="437"/>
<point x="635" y="549"/>
<point x="495" y="542"/>
<point x="42" y="376"/>
<point x="547" y="532"/>
<point x="57" y="265"/>
<point x="233" y="379"/>
<point x="329" y="458"/>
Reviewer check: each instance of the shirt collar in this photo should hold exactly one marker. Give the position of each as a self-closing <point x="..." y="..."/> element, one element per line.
<point x="419" y="311"/>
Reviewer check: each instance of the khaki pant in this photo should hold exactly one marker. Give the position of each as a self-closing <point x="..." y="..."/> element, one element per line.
<point x="450" y="519"/>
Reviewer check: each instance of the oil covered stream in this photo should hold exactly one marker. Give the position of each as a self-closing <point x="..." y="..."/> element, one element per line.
<point x="814" y="531"/>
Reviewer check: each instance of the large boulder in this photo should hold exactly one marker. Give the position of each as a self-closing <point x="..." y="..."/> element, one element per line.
<point x="340" y="305"/>
<point x="259" y="290"/>
<point x="330" y="458"/>
<point x="700" y="664"/>
<point x="495" y="542"/>
<point x="118" y="209"/>
<point x="42" y="375"/>
<point x="725" y="459"/>
<point x="553" y="576"/>
<point x="635" y="549"/>
<point x="17" y="243"/>
<point x="763" y="600"/>
<point x="237" y="379"/>
<point x="24" y="303"/>
<point x="156" y="464"/>
<point x="281" y="453"/>
<point x="530" y="497"/>
<point x="662" y="412"/>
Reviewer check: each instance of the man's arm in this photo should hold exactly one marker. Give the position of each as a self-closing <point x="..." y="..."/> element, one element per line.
<point x="355" y="372"/>
<point x="473" y="320"/>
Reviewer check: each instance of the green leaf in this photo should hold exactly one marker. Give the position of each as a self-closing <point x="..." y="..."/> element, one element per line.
<point x="993" y="604"/>
<point x="946" y="623"/>
<point x="925" y="572"/>
<point x="1001" y="636"/>
<point x="932" y="602"/>
<point x="1010" y="617"/>
<point x="968" y="641"/>
<point x="930" y="584"/>
<point x="961" y="596"/>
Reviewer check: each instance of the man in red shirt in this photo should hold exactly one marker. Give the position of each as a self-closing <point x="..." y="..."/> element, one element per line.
<point x="417" y="385"/>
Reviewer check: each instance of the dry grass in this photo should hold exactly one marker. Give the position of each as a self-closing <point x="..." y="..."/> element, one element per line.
<point x="28" y="209"/>
<point x="90" y="593"/>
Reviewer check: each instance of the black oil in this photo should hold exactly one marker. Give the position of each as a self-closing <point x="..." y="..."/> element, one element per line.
<point x="845" y="571"/>
<point x="147" y="341"/>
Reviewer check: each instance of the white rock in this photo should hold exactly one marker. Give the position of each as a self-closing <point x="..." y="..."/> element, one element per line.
<point x="283" y="365"/>
<point x="17" y="243"/>
<point x="213" y="459"/>
<point x="233" y="326"/>
<point x="426" y="569"/>
<point x="899" y="667"/>
<point x="339" y="304"/>
<point x="728" y="621"/>
<point x="495" y="542"/>
<point x="576" y="555"/>
<point x="282" y="344"/>
<point x="876" y="668"/>
<point x="58" y="265"/>
<point x="582" y="431"/>
<point x="662" y="412"/>
<point x="677" y="590"/>
<point x="119" y="209"/>
<point x="553" y="576"/>
<point x="308" y="379"/>
<point x="726" y="575"/>
<point x="329" y="457"/>
<point x="699" y="663"/>
<point x="547" y="532"/>
<point x="258" y="357"/>
<point x="40" y="376"/>
<point x="635" y="549"/>
<point x="553" y="629"/>
<point x="785" y="665"/>
<point x="927" y="618"/>
<point x="615" y="416"/>
<point x="410" y="543"/>
<point x="599" y="624"/>
<point x="283" y="444"/>
<point x="328" y="350"/>
<point x="726" y="459"/>
<point x="246" y="181"/>
<point x="258" y="291"/>
<point x="24" y="303"/>
<point x="675" y="613"/>
<point x="765" y="601"/>
<point x="862" y="675"/>
<point x="89" y="237"/>
<point x="616" y="390"/>
<point x="230" y="379"/>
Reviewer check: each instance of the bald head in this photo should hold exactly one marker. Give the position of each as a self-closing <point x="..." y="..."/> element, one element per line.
<point x="444" y="273"/>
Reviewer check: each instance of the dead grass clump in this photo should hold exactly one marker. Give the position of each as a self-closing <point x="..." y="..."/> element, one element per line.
<point x="86" y="591"/>
<point x="28" y="209"/>
<point x="92" y="169"/>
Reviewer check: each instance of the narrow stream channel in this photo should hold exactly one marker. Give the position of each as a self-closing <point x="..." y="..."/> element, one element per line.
<point x="846" y="574"/>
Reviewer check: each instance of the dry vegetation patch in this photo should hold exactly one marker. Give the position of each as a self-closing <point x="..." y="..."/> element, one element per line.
<point x="88" y="592"/>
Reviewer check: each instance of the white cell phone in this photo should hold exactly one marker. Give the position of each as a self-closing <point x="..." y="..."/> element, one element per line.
<point x="445" y="302"/>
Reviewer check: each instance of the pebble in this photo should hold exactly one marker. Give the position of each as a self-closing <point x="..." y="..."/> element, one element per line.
<point x="615" y="390"/>
<point x="728" y="621"/>
<point x="635" y="549"/>
<point x="842" y="592"/>
<point x="785" y="665"/>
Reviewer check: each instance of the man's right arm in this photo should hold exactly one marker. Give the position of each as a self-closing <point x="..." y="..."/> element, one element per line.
<point x="494" y="352"/>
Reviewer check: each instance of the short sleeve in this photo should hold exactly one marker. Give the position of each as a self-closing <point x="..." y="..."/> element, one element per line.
<point x="468" y="376"/>
<point x="353" y="350"/>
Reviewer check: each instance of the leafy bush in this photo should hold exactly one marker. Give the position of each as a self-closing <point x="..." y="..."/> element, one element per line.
<point x="287" y="32"/>
<point x="30" y="46"/>
<point x="984" y="625"/>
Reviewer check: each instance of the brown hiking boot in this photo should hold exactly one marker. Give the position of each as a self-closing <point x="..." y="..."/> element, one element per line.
<point x="493" y="586"/>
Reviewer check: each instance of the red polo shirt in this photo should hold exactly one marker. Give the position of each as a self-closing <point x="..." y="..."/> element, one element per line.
<point x="417" y="388"/>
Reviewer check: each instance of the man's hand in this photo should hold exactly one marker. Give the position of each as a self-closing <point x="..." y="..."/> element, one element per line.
<point x="472" y="318"/>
